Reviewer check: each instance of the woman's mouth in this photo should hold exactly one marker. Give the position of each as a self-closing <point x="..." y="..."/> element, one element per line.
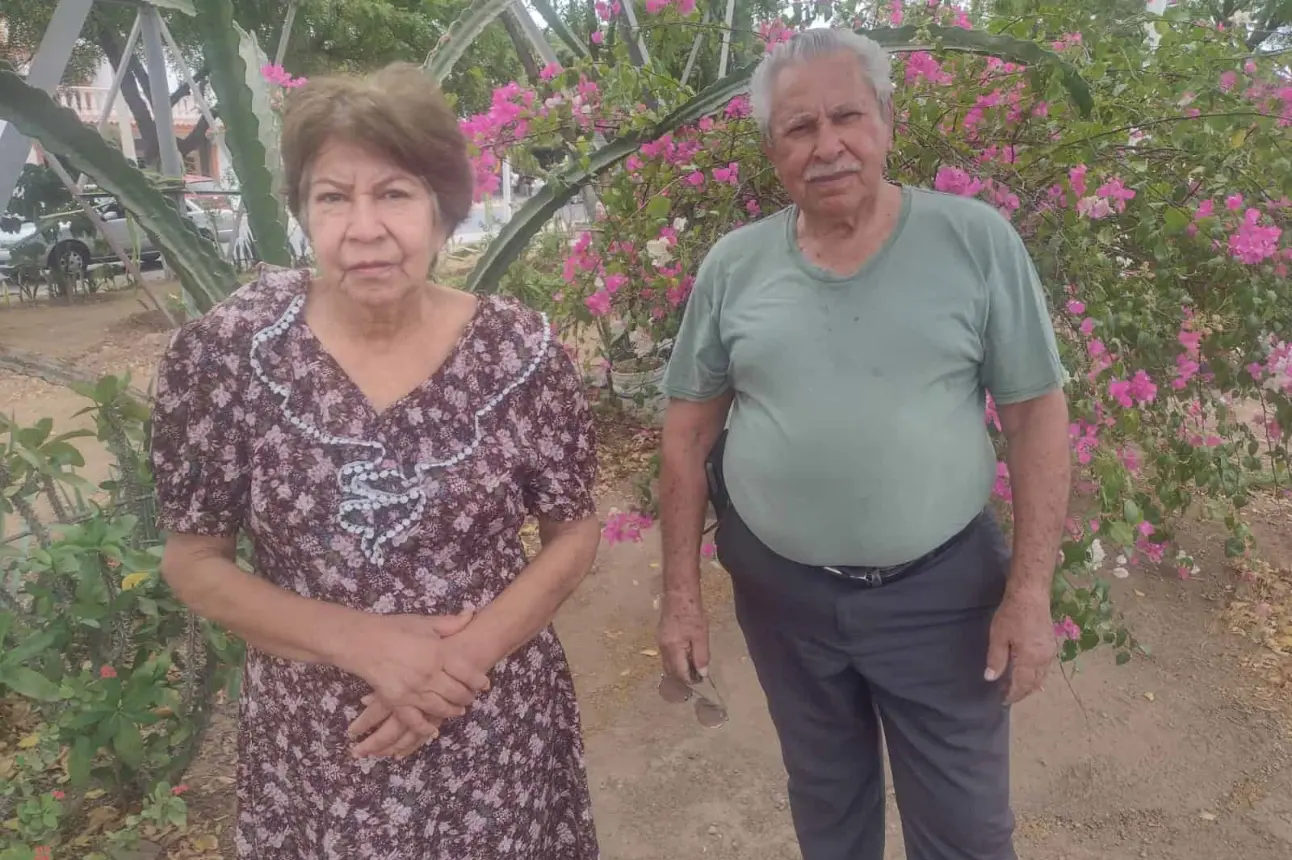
<point x="371" y="268"/>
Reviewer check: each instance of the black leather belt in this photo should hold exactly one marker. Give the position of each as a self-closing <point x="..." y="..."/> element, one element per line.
<point x="876" y="577"/>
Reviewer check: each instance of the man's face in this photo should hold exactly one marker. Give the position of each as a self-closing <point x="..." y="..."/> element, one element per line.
<point x="829" y="138"/>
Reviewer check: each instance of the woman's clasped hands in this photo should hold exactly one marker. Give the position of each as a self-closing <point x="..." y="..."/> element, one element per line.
<point x="421" y="673"/>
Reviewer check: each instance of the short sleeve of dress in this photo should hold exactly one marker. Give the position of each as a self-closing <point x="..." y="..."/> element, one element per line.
<point x="560" y="484"/>
<point x="199" y="452"/>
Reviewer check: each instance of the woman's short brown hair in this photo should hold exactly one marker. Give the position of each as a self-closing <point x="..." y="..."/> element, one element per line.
<point x="398" y="113"/>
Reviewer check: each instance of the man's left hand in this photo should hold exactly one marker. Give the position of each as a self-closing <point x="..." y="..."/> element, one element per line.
<point x="1022" y="641"/>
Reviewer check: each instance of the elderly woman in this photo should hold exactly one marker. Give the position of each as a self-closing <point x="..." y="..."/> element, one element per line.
<point x="381" y="439"/>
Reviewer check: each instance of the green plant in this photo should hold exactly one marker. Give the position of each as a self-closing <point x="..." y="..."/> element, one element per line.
<point x="107" y="682"/>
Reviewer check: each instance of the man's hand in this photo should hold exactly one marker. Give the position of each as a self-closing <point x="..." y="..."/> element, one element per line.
<point x="1022" y="640"/>
<point x="684" y="637"/>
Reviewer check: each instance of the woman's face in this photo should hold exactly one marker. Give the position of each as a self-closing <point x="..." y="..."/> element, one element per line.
<point x="371" y="225"/>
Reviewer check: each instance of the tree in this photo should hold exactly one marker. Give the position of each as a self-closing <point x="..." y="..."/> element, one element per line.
<point x="328" y="35"/>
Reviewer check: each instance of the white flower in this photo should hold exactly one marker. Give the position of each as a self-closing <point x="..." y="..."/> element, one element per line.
<point x="1096" y="553"/>
<point x="679" y="224"/>
<point x="643" y="344"/>
<point x="1121" y="559"/>
<point x="1240" y="18"/>
<point x="1121" y="572"/>
<point x="659" y="251"/>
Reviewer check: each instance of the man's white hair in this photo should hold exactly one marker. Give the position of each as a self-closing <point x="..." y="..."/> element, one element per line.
<point x="810" y="44"/>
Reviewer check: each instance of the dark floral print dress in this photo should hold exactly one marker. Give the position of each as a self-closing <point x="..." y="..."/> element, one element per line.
<point x="416" y="509"/>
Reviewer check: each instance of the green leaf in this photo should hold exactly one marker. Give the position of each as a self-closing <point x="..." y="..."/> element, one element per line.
<point x="251" y="128"/>
<point x="1132" y="512"/>
<point x="1175" y="220"/>
<point x="558" y="26"/>
<point x="28" y="683"/>
<point x="204" y="274"/>
<point x="79" y="760"/>
<point x="561" y="187"/>
<point x="1123" y="657"/>
<point x="129" y="744"/>
<point x="658" y="206"/>
<point x="6" y="622"/>
<point x="461" y="33"/>
<point x="29" y="648"/>
<point x="1122" y="533"/>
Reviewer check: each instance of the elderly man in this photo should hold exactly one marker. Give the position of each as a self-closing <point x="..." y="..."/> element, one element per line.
<point x="848" y="343"/>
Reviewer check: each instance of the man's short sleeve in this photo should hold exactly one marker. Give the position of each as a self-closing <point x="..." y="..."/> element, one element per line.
<point x="1021" y="358"/>
<point x="699" y="368"/>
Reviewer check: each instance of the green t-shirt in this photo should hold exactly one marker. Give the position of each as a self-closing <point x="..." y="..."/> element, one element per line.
<point x="857" y="434"/>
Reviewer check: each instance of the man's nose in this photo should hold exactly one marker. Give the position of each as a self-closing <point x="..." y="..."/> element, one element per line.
<point x="829" y="143"/>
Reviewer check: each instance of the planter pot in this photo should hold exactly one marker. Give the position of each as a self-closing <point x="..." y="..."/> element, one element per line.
<point x="640" y="391"/>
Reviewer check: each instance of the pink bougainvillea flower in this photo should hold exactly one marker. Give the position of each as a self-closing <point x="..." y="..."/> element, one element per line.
<point x="179" y="789"/>
<point x="106" y="671"/>
<point x="953" y="180"/>
<point x="695" y="178"/>
<point x="598" y="303"/>
<point x="597" y="38"/>
<point x="625" y="527"/>
<point x="1067" y="629"/>
<point x="57" y="794"/>
<point x="550" y="71"/>
<point x="1075" y="307"/>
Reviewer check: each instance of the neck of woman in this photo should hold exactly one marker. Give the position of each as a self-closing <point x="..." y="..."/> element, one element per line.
<point x="377" y="323"/>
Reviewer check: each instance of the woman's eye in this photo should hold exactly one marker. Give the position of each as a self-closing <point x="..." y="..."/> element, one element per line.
<point x="328" y="197"/>
<point x="395" y="194"/>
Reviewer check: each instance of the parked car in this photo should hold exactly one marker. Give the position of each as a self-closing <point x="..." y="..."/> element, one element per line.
<point x="68" y="251"/>
<point x="11" y="238"/>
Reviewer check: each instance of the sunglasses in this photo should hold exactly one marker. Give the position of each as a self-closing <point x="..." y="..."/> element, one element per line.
<point x="710" y="710"/>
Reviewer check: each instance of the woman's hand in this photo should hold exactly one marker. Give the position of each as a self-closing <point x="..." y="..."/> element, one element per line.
<point x="395" y="737"/>
<point x="403" y="659"/>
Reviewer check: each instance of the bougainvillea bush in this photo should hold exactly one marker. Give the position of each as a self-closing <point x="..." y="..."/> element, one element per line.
<point x="1157" y="223"/>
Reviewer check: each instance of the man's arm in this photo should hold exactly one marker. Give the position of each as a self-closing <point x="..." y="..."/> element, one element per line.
<point x="1040" y="469"/>
<point x="690" y="430"/>
<point x="1040" y="472"/>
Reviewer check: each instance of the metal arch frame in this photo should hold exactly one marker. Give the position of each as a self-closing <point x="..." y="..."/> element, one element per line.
<point x="46" y="72"/>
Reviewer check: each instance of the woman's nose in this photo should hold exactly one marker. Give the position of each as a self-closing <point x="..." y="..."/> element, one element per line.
<point x="365" y="220"/>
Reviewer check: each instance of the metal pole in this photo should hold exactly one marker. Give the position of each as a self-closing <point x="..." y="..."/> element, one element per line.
<point x="726" y="39"/>
<point x="178" y="57"/>
<point x="45" y="72"/>
<point x="636" y="32"/>
<point x="529" y="26"/>
<point x="286" y="34"/>
<point x="695" y="48"/>
<point x="159" y="92"/>
<point x="110" y="103"/>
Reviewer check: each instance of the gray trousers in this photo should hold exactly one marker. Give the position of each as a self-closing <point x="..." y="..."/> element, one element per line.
<point x="837" y="659"/>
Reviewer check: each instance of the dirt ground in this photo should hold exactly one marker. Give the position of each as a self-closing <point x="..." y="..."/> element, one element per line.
<point x="1184" y="755"/>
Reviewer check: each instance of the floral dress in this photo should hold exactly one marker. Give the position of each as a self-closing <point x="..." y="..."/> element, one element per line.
<point x="416" y="509"/>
